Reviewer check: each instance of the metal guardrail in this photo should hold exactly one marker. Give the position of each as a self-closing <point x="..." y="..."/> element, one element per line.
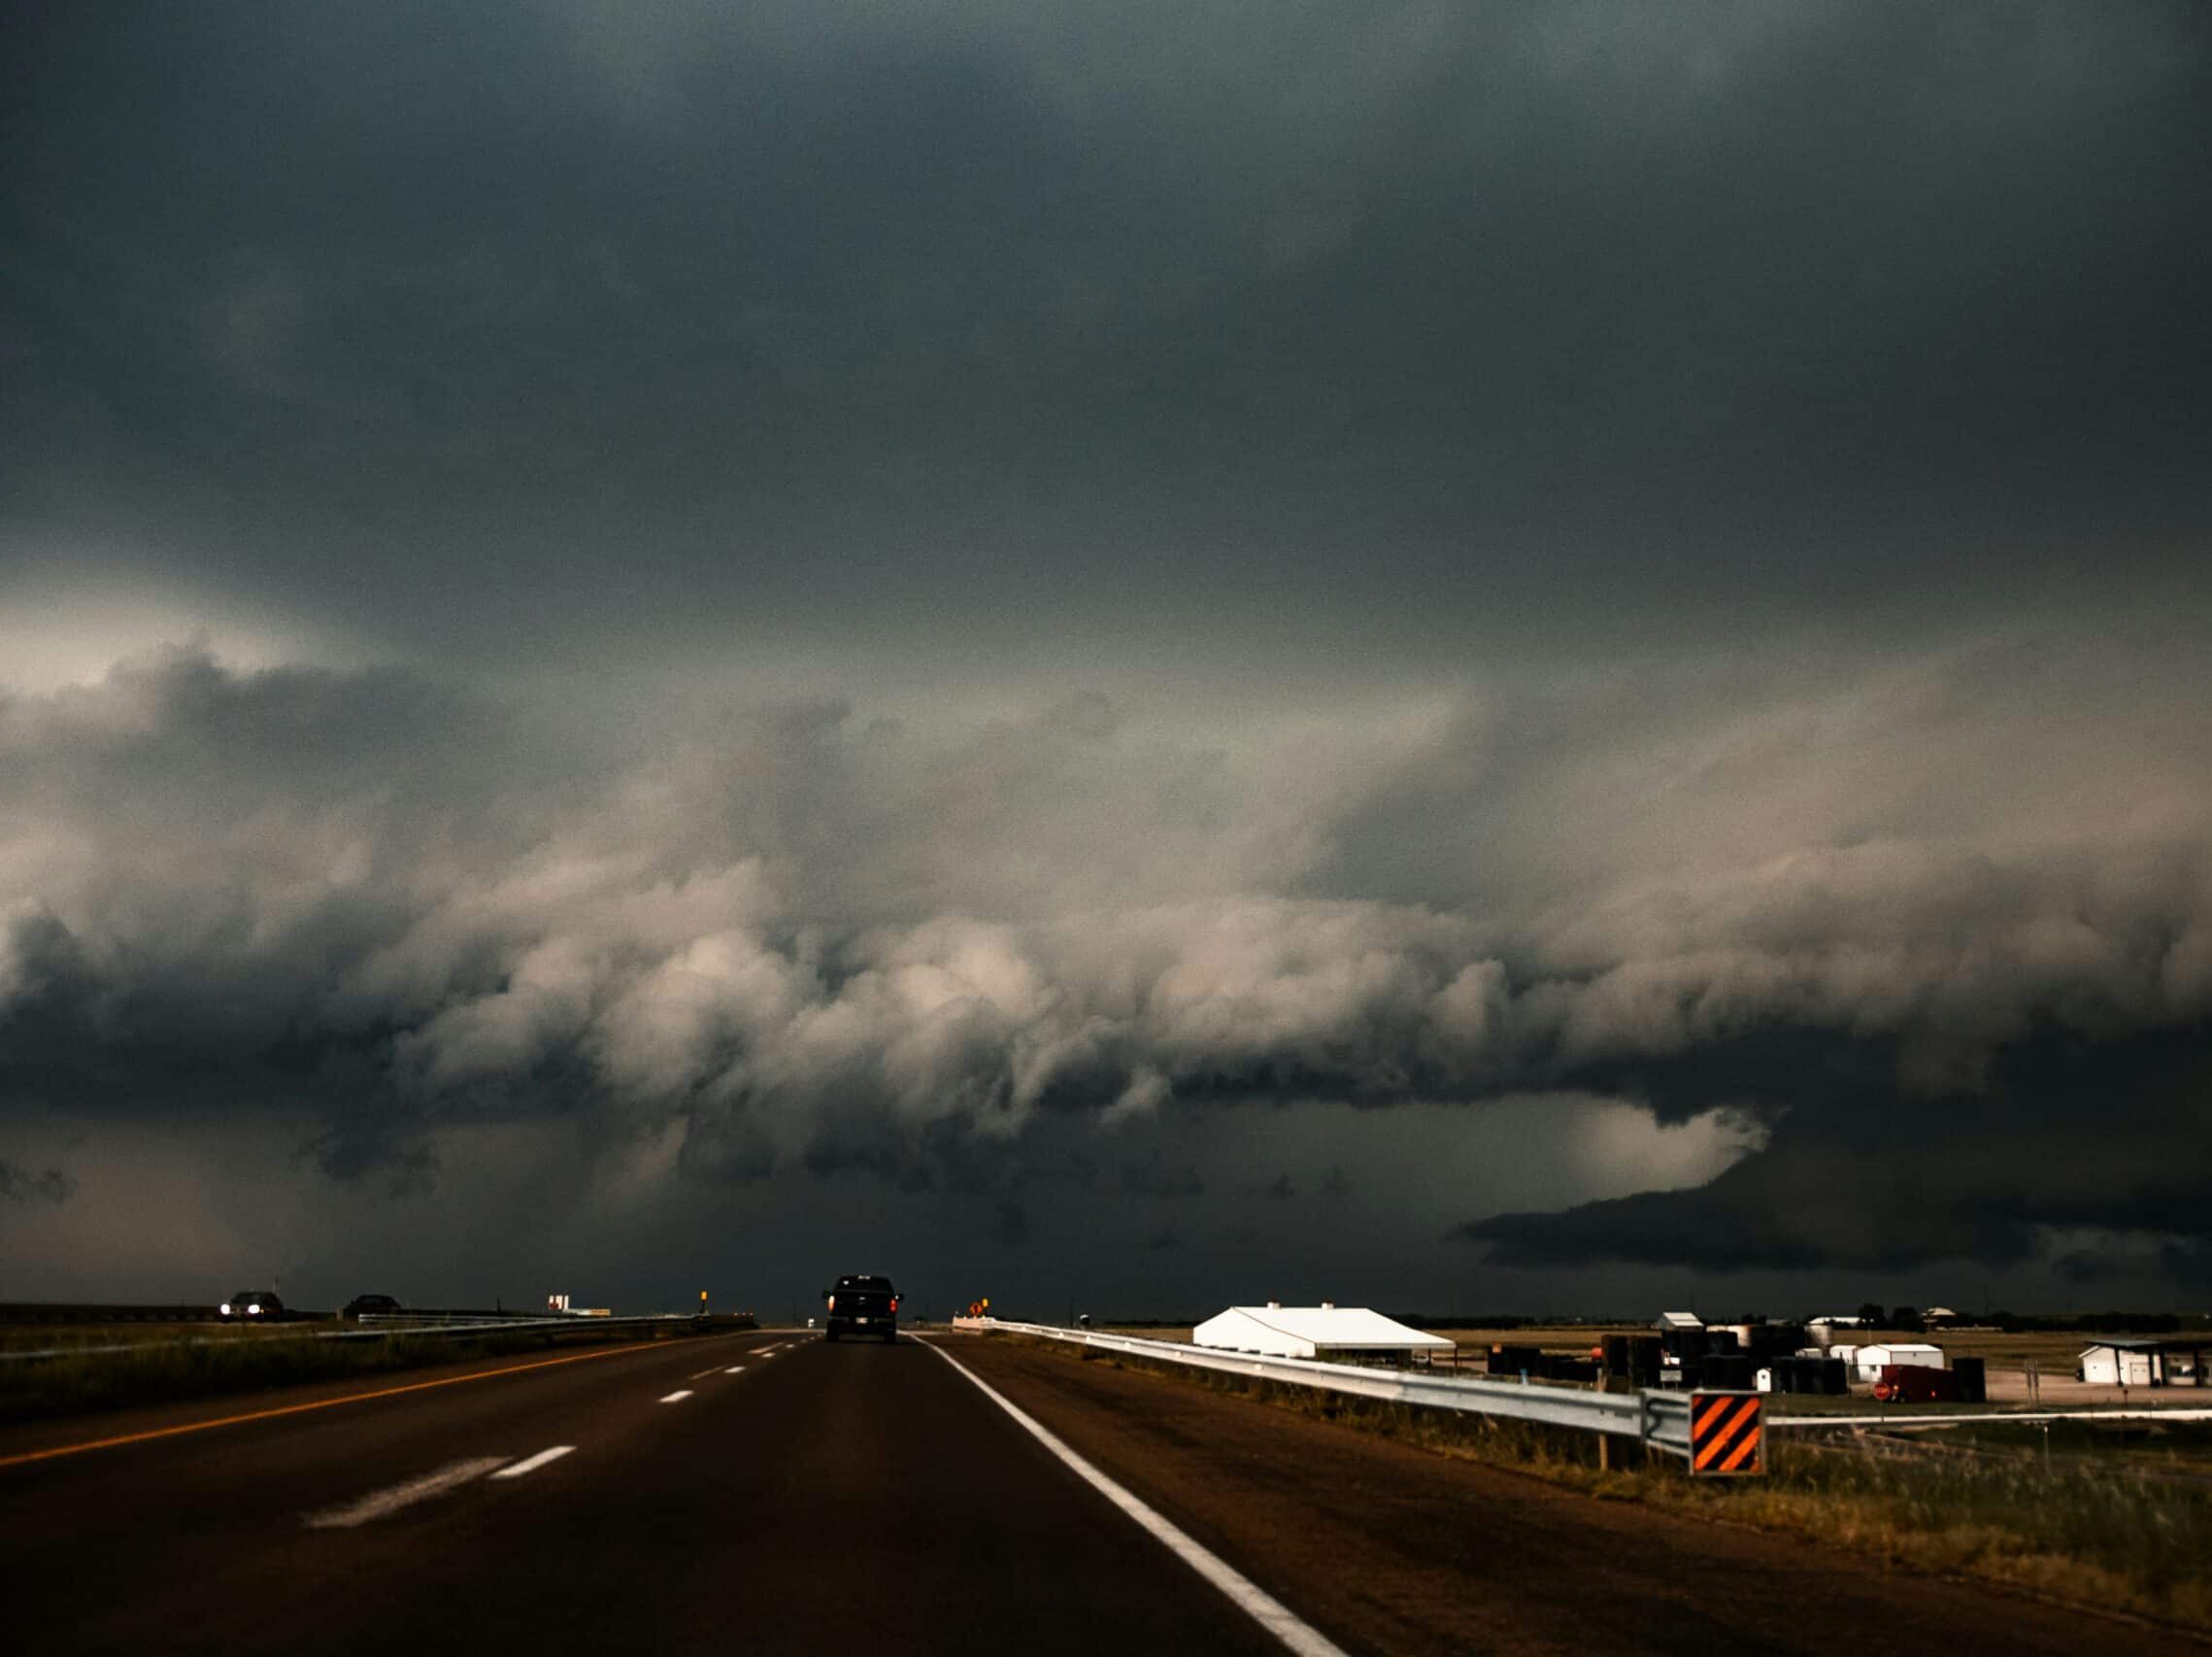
<point x="404" y="1319"/>
<point x="1655" y="1419"/>
<point x="388" y="1324"/>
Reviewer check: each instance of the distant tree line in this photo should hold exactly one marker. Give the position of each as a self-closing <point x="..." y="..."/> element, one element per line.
<point x="2104" y="1323"/>
<point x="2063" y="1323"/>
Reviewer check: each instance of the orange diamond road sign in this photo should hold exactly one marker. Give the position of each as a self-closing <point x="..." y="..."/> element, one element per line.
<point x="1724" y="1434"/>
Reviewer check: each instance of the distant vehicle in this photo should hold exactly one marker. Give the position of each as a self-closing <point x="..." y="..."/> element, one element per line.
<point x="252" y="1305"/>
<point x="384" y="1305"/>
<point x="861" y="1305"/>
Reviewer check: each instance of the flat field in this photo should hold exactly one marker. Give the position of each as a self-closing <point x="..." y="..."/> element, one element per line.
<point x="2007" y="1357"/>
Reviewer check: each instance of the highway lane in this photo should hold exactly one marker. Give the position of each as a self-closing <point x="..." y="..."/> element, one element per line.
<point x="179" y="1542"/>
<point x="822" y="1494"/>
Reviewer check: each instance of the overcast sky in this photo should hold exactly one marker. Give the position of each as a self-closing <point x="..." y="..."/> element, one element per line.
<point x="1499" y="658"/>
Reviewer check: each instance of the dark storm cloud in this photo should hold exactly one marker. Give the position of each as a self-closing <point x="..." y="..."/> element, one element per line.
<point x="17" y="1184"/>
<point x="1797" y="295"/>
<point x="1155" y="1178"/>
<point x="2059" y="1137"/>
<point x="802" y="941"/>
<point x="1647" y="552"/>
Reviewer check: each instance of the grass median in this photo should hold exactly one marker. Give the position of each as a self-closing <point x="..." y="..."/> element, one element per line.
<point x="2098" y="1519"/>
<point x="166" y="1371"/>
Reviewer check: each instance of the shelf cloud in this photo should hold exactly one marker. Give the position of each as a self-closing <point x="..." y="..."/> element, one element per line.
<point x="814" y="941"/>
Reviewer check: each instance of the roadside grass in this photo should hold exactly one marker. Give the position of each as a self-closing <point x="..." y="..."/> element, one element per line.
<point x="171" y="1372"/>
<point x="42" y="1337"/>
<point x="2088" y="1527"/>
<point x="2093" y="1533"/>
<point x="2176" y="1449"/>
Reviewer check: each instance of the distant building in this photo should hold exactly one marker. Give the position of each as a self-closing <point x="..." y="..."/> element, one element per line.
<point x="2129" y="1363"/>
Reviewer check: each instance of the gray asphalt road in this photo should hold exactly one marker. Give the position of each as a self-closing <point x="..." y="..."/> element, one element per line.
<point x="818" y="1495"/>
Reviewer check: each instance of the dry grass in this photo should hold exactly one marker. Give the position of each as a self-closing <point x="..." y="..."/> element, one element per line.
<point x="42" y="1337"/>
<point x="168" y="1371"/>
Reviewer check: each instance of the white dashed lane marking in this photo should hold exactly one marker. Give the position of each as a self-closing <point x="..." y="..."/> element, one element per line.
<point x="380" y="1503"/>
<point x="535" y="1462"/>
<point x="676" y="1397"/>
<point x="735" y="1369"/>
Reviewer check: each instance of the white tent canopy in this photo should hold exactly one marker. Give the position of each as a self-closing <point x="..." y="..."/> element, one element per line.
<point x="1304" y="1331"/>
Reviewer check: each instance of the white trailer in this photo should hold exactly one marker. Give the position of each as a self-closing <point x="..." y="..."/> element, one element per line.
<point x="1867" y="1361"/>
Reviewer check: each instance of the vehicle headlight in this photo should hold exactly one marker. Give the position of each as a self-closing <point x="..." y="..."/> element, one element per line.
<point x="252" y="1312"/>
<point x="226" y="1308"/>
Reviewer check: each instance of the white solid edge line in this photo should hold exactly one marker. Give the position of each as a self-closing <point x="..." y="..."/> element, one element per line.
<point x="535" y="1462"/>
<point x="676" y="1397"/>
<point x="1269" y="1613"/>
<point x="378" y="1504"/>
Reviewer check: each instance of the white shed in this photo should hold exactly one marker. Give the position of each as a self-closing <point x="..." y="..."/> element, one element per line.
<point x="1867" y="1361"/>
<point x="1312" y="1332"/>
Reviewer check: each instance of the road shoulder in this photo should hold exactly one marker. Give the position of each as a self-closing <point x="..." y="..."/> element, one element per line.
<point x="1389" y="1547"/>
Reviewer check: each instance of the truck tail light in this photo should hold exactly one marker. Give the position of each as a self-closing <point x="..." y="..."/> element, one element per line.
<point x="894" y="1302"/>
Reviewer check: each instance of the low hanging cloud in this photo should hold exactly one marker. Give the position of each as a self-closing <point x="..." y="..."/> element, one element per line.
<point x="1963" y="1008"/>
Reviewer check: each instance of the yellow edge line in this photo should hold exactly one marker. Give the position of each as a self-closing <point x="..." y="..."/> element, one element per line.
<point x="296" y="1408"/>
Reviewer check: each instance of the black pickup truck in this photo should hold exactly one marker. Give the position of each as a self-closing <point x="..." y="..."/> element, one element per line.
<point x="861" y="1305"/>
